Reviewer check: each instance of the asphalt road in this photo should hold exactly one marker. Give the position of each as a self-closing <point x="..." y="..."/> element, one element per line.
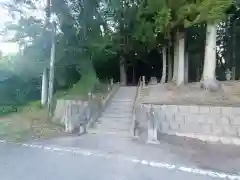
<point x="105" y="157"/>
<point x="18" y="162"/>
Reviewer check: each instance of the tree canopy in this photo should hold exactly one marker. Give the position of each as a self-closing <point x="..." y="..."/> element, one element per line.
<point x="95" y="34"/>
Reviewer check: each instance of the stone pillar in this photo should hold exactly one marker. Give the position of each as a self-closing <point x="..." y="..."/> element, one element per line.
<point x="111" y="82"/>
<point x="143" y="80"/>
<point x="198" y="75"/>
<point x="228" y="75"/>
<point x="67" y="117"/>
<point x="123" y="75"/>
<point x="83" y="127"/>
<point x="181" y="59"/>
<point x="152" y="127"/>
<point x="44" y="93"/>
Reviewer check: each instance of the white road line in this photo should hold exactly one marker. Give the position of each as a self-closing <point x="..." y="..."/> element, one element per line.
<point x="153" y="164"/>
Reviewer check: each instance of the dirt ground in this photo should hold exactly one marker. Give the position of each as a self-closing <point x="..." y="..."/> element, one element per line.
<point x="28" y="124"/>
<point x="191" y="93"/>
<point x="218" y="157"/>
<point x="201" y="154"/>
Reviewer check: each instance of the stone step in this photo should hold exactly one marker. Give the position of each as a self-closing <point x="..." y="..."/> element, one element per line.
<point x="120" y="104"/>
<point x="117" y="115"/>
<point x="119" y="107"/>
<point x="116" y="119"/>
<point x="123" y="100"/>
<point x="112" y="128"/>
<point x="125" y="134"/>
<point x="118" y="111"/>
<point x="115" y="124"/>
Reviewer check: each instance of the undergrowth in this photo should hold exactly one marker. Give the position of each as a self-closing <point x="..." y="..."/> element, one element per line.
<point x="21" y="122"/>
<point x="80" y="90"/>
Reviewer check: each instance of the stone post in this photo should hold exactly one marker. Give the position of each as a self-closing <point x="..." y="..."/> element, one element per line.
<point x="44" y="93"/>
<point x="228" y="75"/>
<point x="152" y="127"/>
<point x="143" y="81"/>
<point x="89" y="96"/>
<point x="198" y="75"/>
<point x="111" y="82"/>
<point x="83" y="127"/>
<point x="69" y="127"/>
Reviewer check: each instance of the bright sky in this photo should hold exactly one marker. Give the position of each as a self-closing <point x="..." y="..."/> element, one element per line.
<point x="7" y="47"/>
<point x="4" y="46"/>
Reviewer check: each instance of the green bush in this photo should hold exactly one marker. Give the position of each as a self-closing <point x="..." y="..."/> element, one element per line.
<point x="81" y="88"/>
<point x="35" y="104"/>
<point x="4" y="110"/>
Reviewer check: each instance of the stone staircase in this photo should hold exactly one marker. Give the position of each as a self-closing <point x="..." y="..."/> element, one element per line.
<point x="144" y="94"/>
<point x="117" y="117"/>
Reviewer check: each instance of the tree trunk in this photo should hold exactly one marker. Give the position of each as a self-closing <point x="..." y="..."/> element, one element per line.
<point x="123" y="75"/>
<point x="44" y="95"/>
<point x="186" y="68"/>
<point x="234" y="49"/>
<point x="51" y="71"/>
<point x="169" y="65"/>
<point x="181" y="59"/>
<point x="209" y="79"/>
<point x="133" y="76"/>
<point x="175" y="63"/>
<point x="234" y="73"/>
<point x="164" y="69"/>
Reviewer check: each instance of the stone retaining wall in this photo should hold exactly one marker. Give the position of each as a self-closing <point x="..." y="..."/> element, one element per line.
<point x="208" y="123"/>
<point x="72" y="113"/>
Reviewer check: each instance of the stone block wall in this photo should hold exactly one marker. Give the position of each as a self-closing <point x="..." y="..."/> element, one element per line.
<point x="208" y="123"/>
<point x="72" y="113"/>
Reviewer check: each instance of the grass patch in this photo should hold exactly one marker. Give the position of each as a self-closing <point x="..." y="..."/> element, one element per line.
<point x="29" y="123"/>
<point x="80" y="90"/>
<point x="6" y="109"/>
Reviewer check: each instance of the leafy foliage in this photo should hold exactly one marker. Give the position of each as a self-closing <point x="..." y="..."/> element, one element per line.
<point x="94" y="34"/>
<point x="213" y="11"/>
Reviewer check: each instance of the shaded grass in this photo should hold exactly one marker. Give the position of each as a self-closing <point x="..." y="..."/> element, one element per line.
<point x="80" y="90"/>
<point x="6" y="109"/>
<point x="14" y="108"/>
<point x="30" y="123"/>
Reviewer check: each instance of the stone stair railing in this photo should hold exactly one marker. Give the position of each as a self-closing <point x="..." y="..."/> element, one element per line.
<point x="135" y="123"/>
<point x="77" y="116"/>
